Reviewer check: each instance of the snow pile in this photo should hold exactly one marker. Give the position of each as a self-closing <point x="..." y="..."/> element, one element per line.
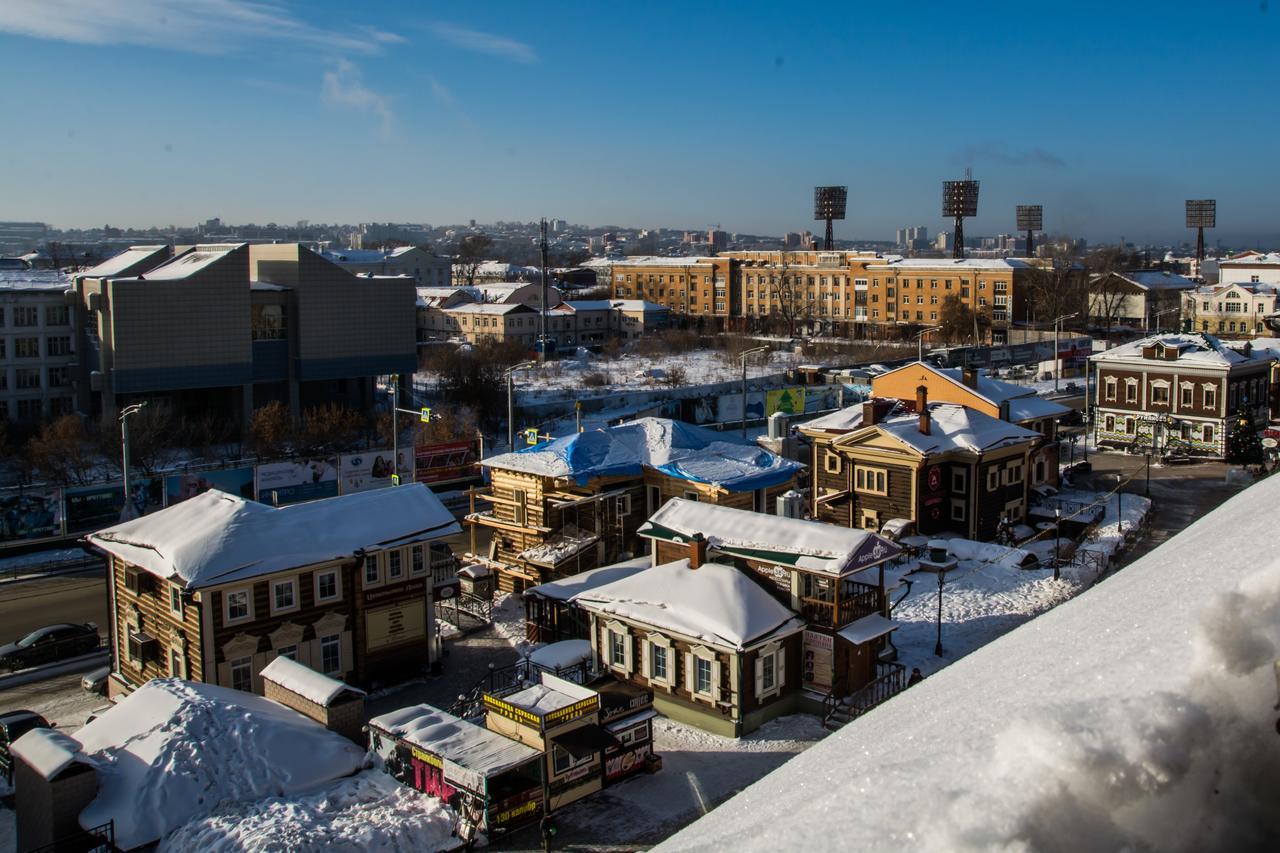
<point x="174" y="750"/>
<point x="1139" y="716"/>
<point x="716" y="604"/>
<point x="953" y="427"/>
<point x="676" y="449"/>
<point x="370" y="812"/>
<point x="565" y="544"/>
<point x="305" y="681"/>
<point x="987" y="552"/>
<point x="561" y="655"/>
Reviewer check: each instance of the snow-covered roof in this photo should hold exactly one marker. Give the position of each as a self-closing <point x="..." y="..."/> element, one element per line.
<point x="34" y="280"/>
<point x="568" y="542"/>
<point x="560" y="655"/>
<point x="673" y="448"/>
<point x="842" y="420"/>
<point x="217" y="538"/>
<point x="191" y="262"/>
<point x="658" y="261"/>
<point x="942" y="264"/>
<point x="548" y="696"/>
<point x="498" y="308"/>
<point x="954" y="427"/>
<point x="809" y="545"/>
<point x="867" y="628"/>
<point x="1252" y="259"/>
<point x="1157" y="279"/>
<point x="354" y="256"/>
<point x="714" y="604"/>
<point x="566" y="588"/>
<point x="1151" y="739"/>
<point x="117" y="264"/>
<point x="1024" y="404"/>
<point x="454" y="739"/>
<point x="173" y="750"/>
<point x="644" y="305"/>
<point x="48" y="751"/>
<point x="1193" y="347"/>
<point x="305" y="681"/>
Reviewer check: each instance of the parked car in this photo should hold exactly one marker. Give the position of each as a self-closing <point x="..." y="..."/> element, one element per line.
<point x="13" y="725"/>
<point x="50" y="643"/>
<point x="95" y="680"/>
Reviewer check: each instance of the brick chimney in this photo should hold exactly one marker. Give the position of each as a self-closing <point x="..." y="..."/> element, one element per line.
<point x="869" y="414"/>
<point x="970" y="375"/>
<point x="697" y="550"/>
<point x="922" y="407"/>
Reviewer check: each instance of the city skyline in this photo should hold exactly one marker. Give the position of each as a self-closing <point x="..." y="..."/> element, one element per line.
<point x="682" y="118"/>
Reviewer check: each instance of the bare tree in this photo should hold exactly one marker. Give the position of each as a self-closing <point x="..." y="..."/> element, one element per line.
<point x="151" y="440"/>
<point x="330" y="427"/>
<point x="270" y="430"/>
<point x="958" y="322"/>
<point x="470" y="255"/>
<point x="1059" y="287"/>
<point x="63" y="453"/>
<point x="787" y="295"/>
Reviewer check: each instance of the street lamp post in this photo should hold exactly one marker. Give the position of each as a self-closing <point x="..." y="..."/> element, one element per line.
<point x="920" y="342"/>
<point x="1147" y="490"/>
<point x="126" y="511"/>
<point x="744" y="355"/>
<point x="1057" y="355"/>
<point x="511" y="401"/>
<point x="937" y="647"/>
<point x="1057" y="537"/>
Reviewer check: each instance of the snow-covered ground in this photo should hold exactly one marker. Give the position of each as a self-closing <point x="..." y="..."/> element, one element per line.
<point x="368" y="812"/>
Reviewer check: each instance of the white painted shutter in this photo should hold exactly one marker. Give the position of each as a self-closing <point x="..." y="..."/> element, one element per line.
<point x="627" y="652"/>
<point x="715" y="680"/>
<point x="759" y="675"/>
<point x="644" y="659"/>
<point x="689" y="674"/>
<point x="780" y="667"/>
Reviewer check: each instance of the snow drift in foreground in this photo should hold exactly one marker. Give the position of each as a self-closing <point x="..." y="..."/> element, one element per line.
<point x="174" y="750"/>
<point x="368" y="812"/>
<point x="1140" y="715"/>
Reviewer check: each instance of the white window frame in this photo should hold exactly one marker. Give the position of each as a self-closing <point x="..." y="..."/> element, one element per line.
<point x="1131" y="390"/>
<point x="175" y="598"/>
<point x="993" y="478"/>
<point x="395" y="565"/>
<point x="653" y="642"/>
<point x="337" y="586"/>
<point x="1110" y="386"/>
<point x="690" y="496"/>
<point x="622" y="505"/>
<point x="1210" y="399"/>
<point x="1013" y="474"/>
<point x="620" y="630"/>
<point x="337" y="641"/>
<point x="959" y="480"/>
<point x="292" y="584"/>
<point x="371" y="560"/>
<point x="290" y="651"/>
<point x="227" y="618"/>
<point x="1161" y="385"/>
<point x="417" y="560"/>
<point x="831" y="462"/>
<point x="244" y="663"/>
<point x="776" y="652"/>
<point x="957" y="510"/>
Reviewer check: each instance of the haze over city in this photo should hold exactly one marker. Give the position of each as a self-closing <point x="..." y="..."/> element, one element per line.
<point x="1110" y="115"/>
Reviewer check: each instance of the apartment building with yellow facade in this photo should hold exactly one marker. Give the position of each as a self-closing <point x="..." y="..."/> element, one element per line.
<point x="860" y="294"/>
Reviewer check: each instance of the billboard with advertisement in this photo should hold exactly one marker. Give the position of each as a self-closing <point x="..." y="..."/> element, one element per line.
<point x="700" y="410"/>
<point x="730" y="406"/>
<point x="94" y="507"/>
<point x="360" y="472"/>
<point x="450" y="460"/>
<point x="819" y="650"/>
<point x="30" y="514"/>
<point x="789" y="401"/>
<point x="235" y="481"/>
<point x="281" y="483"/>
<point x="821" y="398"/>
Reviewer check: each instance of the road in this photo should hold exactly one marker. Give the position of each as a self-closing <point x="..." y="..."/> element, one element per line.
<point x="27" y="605"/>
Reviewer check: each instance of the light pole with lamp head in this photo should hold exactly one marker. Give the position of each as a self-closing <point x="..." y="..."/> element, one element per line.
<point x="126" y="512"/>
<point x="511" y="401"/>
<point x="743" y="356"/>
<point x="1057" y="355"/>
<point x="1160" y="314"/>
<point x="1057" y="537"/>
<point x="920" y="341"/>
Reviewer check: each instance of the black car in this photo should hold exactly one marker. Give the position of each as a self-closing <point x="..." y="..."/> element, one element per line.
<point x="13" y="725"/>
<point x="48" y="644"/>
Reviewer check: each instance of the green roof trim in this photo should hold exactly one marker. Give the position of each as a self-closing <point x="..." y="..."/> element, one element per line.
<point x="783" y="558"/>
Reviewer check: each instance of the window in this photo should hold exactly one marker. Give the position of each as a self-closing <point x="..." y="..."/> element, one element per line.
<point x="1013" y="474"/>
<point x="959" y="480"/>
<point x="1208" y="434"/>
<point x="831" y="462"/>
<point x="371" y="574"/>
<point x="26" y="348"/>
<point x="1187" y="394"/>
<point x="290" y="652"/>
<point x="619" y="649"/>
<point x="957" y="510"/>
<point x="56" y="315"/>
<point x="27" y="378"/>
<point x="1210" y="397"/>
<point x="622" y="505"/>
<point x="175" y="600"/>
<point x="993" y="478"/>
<point x="284" y="595"/>
<point x="395" y="570"/>
<point x="175" y="664"/>
<point x="770" y="670"/>
<point x="59" y="345"/>
<point x="871" y="480"/>
<point x="59" y="377"/>
<point x="658" y="660"/>
<point x="26" y="316"/>
<point x="418" y="565"/>
<point x="1160" y="393"/>
<point x="267" y="322"/>
<point x="1131" y="390"/>
<point x="242" y="674"/>
<point x="238" y="606"/>
<point x="331" y="655"/>
<point x="562" y="761"/>
<point x="520" y="509"/>
<point x="690" y="496"/>
<point x="326" y="586"/>
<point x="1109" y="424"/>
<point x="30" y="410"/>
<point x="702" y="676"/>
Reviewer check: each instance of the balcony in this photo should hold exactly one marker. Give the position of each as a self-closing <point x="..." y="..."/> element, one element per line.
<point x="856" y="600"/>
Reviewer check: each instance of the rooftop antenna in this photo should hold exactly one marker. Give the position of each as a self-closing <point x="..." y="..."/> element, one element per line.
<point x="1202" y="213"/>
<point x="960" y="199"/>
<point x="829" y="203"/>
<point x="1031" y="220"/>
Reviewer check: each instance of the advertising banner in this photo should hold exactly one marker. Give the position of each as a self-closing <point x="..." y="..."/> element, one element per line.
<point x="95" y="507"/>
<point x="360" y="472"/>
<point x="30" y="514"/>
<point x="730" y="406"/>
<point x="789" y="401"/>
<point x="818" y="660"/>
<point x="852" y="394"/>
<point x="281" y="483"/>
<point x="699" y="410"/>
<point x="234" y="481"/>
<point x="451" y="460"/>
<point x="821" y="398"/>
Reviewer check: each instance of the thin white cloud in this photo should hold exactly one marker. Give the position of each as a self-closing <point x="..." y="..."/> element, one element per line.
<point x="193" y="26"/>
<point x="441" y="91"/>
<point x="474" y="40"/>
<point x="344" y="87"/>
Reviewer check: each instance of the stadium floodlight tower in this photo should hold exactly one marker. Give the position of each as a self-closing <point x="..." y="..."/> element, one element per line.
<point x="1031" y="220"/>
<point x="960" y="199"/>
<point x="1202" y="213"/>
<point x="829" y="204"/>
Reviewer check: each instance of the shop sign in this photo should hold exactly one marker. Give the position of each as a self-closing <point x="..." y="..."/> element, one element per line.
<point x="571" y="712"/>
<point x="627" y="762"/>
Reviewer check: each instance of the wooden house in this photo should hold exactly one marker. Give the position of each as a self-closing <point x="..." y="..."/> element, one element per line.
<point x="575" y="503"/>
<point x="944" y="466"/>
<point x="216" y="587"/>
<point x="974" y="389"/>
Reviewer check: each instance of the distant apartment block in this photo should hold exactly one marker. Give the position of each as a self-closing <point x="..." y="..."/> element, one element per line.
<point x="1236" y="310"/>
<point x="424" y="268"/>
<point x="227" y="328"/>
<point x="37" y="345"/>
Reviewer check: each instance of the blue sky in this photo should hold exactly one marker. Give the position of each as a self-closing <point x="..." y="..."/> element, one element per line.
<point x="138" y="112"/>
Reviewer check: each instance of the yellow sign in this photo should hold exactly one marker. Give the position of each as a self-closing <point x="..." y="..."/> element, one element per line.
<point x="426" y="415"/>
<point x="531" y="436"/>
<point x="569" y="712"/>
<point x="789" y="401"/>
<point x="426" y="757"/>
<point x="511" y="712"/>
<point x="395" y="625"/>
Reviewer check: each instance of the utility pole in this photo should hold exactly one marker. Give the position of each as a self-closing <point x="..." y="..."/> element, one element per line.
<point x="744" y="386"/>
<point x="542" y="246"/>
<point x="1057" y="360"/>
<point x="126" y="512"/>
<point x="395" y="429"/>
